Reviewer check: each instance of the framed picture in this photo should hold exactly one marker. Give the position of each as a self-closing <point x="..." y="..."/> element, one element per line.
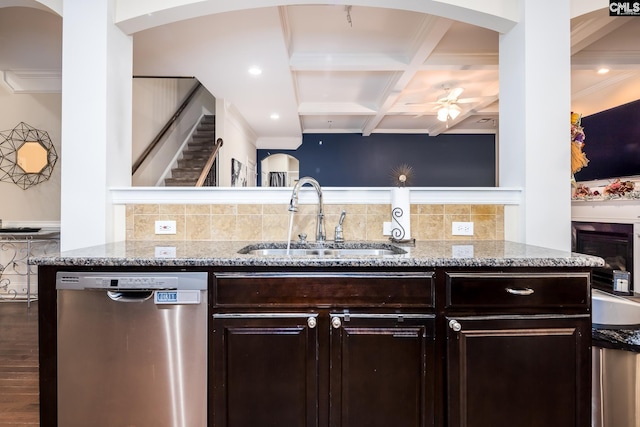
<point x="238" y="174"/>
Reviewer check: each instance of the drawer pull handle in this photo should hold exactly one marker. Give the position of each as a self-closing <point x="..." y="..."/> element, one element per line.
<point x="312" y="322"/>
<point x="336" y="322"/>
<point x="455" y="325"/>
<point x="524" y="292"/>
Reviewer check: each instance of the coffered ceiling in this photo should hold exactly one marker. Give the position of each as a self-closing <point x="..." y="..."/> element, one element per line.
<point x="330" y="68"/>
<point x="335" y="68"/>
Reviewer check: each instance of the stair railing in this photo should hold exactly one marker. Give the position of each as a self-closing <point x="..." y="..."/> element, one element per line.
<point x="207" y="167"/>
<point x="154" y="143"/>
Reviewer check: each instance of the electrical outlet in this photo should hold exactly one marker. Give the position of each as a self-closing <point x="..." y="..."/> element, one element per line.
<point x="386" y="228"/>
<point x="462" y="228"/>
<point x="165" y="227"/>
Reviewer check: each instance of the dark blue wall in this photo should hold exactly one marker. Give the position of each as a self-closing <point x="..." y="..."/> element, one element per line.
<point x="353" y="160"/>
<point x="612" y="143"/>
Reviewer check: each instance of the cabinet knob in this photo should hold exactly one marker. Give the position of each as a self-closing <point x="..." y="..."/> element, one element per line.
<point x="455" y="325"/>
<point x="336" y="322"/>
<point x="312" y="322"/>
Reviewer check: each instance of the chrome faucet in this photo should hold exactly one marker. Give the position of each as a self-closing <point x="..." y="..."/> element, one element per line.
<point x="293" y="205"/>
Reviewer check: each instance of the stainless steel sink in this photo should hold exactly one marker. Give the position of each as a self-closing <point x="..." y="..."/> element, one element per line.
<point x="614" y="311"/>
<point x="372" y="250"/>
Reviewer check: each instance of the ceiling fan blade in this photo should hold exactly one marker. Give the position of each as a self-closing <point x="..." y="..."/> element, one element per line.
<point x="455" y="93"/>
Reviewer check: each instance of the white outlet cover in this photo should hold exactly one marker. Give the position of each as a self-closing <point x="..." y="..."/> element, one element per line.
<point x="462" y="228"/>
<point x="386" y="228"/>
<point x="165" y="227"/>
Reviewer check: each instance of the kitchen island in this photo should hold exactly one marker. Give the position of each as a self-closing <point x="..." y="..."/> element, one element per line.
<point x="474" y="334"/>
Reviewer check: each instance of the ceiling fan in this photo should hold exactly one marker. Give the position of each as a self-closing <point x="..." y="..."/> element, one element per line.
<point x="447" y="104"/>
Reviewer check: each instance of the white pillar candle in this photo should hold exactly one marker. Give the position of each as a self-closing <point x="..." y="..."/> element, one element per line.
<point x="400" y="214"/>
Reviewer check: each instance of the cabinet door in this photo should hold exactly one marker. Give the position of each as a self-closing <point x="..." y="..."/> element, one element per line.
<point x="382" y="371"/>
<point x="265" y="370"/>
<point x="522" y="371"/>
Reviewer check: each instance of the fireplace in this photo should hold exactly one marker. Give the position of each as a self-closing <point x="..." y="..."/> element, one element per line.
<point x="612" y="242"/>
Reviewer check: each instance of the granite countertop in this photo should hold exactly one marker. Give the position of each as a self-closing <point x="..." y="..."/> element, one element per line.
<point x="618" y="339"/>
<point x="423" y="254"/>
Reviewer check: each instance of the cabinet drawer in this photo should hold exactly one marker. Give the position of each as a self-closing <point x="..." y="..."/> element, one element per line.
<point x="324" y="289"/>
<point x="516" y="290"/>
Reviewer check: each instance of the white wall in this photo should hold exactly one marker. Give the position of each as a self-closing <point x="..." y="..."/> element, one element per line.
<point x="97" y="59"/>
<point x="239" y="142"/>
<point x="535" y="157"/>
<point x="30" y="40"/>
<point x="39" y="204"/>
<point x="154" y="102"/>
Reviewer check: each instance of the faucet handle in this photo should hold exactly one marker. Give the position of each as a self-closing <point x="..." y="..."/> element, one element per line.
<point x="302" y="237"/>
<point x="342" y="215"/>
<point x="339" y="237"/>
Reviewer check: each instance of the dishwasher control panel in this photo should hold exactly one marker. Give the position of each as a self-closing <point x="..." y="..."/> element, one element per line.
<point x="136" y="282"/>
<point x="124" y="281"/>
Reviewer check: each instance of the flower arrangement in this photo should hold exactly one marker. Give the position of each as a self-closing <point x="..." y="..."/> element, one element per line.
<point x="578" y="158"/>
<point x="584" y="192"/>
<point x="619" y="188"/>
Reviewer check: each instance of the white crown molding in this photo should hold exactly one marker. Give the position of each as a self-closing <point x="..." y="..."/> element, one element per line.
<point x="331" y="195"/>
<point x="275" y="143"/>
<point x="614" y="211"/>
<point x="33" y="81"/>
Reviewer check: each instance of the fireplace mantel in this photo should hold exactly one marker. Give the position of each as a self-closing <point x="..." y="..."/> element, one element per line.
<point x="614" y="210"/>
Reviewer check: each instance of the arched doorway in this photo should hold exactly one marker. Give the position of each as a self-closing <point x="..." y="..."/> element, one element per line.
<point x="279" y="170"/>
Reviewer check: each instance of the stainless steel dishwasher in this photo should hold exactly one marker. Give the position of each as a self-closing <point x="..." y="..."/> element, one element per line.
<point x="616" y="388"/>
<point x="132" y="349"/>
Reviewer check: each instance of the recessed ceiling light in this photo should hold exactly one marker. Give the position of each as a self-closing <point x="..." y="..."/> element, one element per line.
<point x="603" y="70"/>
<point x="255" y="71"/>
<point x="485" y="120"/>
<point x="275" y="116"/>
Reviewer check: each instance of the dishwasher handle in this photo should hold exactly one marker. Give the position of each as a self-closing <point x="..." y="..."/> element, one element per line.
<point x="129" y="296"/>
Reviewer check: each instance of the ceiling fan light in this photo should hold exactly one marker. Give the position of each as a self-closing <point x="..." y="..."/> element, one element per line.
<point x="443" y="113"/>
<point x="454" y="111"/>
<point x="447" y="112"/>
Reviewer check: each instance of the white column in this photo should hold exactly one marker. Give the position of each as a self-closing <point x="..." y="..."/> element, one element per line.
<point x="535" y="102"/>
<point x="97" y="64"/>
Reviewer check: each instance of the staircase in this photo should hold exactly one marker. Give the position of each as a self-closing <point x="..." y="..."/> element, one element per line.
<point x="195" y="155"/>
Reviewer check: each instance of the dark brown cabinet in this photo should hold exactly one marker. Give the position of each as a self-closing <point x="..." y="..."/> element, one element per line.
<point x="269" y="369"/>
<point x="382" y="370"/>
<point x="508" y="367"/>
<point x="298" y="361"/>
<point x="506" y="372"/>
<point x="265" y="370"/>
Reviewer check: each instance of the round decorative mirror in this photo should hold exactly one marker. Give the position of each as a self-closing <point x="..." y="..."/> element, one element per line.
<point x="27" y="156"/>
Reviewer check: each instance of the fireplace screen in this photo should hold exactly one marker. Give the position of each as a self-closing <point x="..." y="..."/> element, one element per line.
<point x="611" y="242"/>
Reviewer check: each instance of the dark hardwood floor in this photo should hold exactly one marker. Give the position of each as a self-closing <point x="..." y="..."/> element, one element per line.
<point x="19" y="396"/>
